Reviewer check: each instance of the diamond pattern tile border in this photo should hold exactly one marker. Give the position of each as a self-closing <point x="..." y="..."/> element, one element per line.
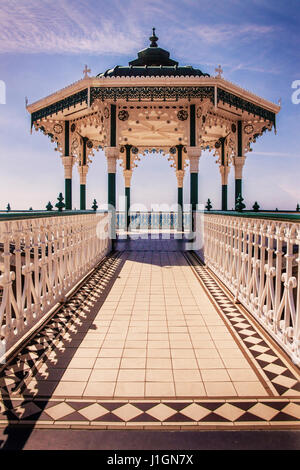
<point x="283" y="378"/>
<point x="239" y="413"/>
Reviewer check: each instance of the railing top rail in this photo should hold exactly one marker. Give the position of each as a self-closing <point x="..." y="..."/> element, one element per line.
<point x="283" y="216"/>
<point x="19" y="215"/>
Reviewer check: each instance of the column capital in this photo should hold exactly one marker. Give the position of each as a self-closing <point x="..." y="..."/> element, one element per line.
<point x="112" y="154"/>
<point x="238" y="166"/>
<point x="68" y="163"/>
<point x="83" y="170"/>
<point x="194" y="154"/>
<point x="127" y="178"/>
<point x="180" y="176"/>
<point x="224" y="171"/>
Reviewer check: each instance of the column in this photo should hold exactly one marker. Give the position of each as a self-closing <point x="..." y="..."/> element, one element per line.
<point x="239" y="161"/>
<point x="224" y="171"/>
<point x="127" y="179"/>
<point x="180" y="176"/>
<point x="83" y="170"/>
<point x="111" y="157"/>
<point x="194" y="156"/>
<point x="68" y="163"/>
<point x="111" y="154"/>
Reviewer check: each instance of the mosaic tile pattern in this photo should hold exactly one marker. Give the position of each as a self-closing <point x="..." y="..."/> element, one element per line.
<point x="215" y="413"/>
<point x="280" y="408"/>
<point x="278" y="371"/>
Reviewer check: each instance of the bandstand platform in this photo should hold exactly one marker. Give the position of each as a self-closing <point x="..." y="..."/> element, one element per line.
<point x="115" y="328"/>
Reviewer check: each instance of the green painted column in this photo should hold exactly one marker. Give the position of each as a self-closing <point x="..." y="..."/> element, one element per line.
<point x="224" y="197"/>
<point x="68" y="193"/>
<point x="194" y="191"/>
<point x="82" y="197"/>
<point x="127" y="216"/>
<point x="238" y="187"/>
<point x="239" y="160"/>
<point x="224" y="174"/>
<point x="112" y="189"/>
<point x="180" y="208"/>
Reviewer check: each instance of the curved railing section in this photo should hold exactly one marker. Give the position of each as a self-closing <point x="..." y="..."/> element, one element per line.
<point x="259" y="261"/>
<point x="41" y="260"/>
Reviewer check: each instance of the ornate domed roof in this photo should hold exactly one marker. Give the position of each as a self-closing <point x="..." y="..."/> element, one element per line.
<point x="152" y="61"/>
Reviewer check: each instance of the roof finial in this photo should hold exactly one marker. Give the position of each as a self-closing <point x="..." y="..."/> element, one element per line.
<point x="153" y="39"/>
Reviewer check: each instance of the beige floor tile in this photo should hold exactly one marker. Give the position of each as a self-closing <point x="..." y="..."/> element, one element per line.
<point x="235" y="363"/>
<point x="90" y="344"/>
<point x="184" y="363"/>
<point x="133" y="363"/>
<point x="109" y="344"/>
<point x="212" y="363"/>
<point x="187" y="375"/>
<point x="193" y="389"/>
<point x="99" y="389"/>
<point x="158" y="363"/>
<point x="157" y="344"/>
<point x="207" y="353"/>
<point x="107" y="363"/>
<point x="242" y="375"/>
<point x="159" y="375"/>
<point x="215" y="375"/>
<point x="157" y="389"/>
<point x="129" y="389"/>
<point x="182" y="353"/>
<point x="86" y="352"/>
<point x="250" y="389"/>
<point x="135" y="344"/>
<point x="159" y="353"/>
<point x="233" y="352"/>
<point x="76" y="375"/>
<point x="220" y="389"/>
<point x="69" y="389"/>
<point x="104" y="352"/>
<point x="82" y="363"/>
<point x="158" y="337"/>
<point x="225" y="344"/>
<point x="132" y="352"/>
<point x="131" y="375"/>
<point x="103" y="375"/>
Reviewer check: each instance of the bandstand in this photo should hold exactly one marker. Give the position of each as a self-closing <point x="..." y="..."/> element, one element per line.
<point x="153" y="104"/>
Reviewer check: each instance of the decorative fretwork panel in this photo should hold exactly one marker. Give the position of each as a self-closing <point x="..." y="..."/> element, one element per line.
<point x="151" y="93"/>
<point x="66" y="103"/>
<point x="245" y="105"/>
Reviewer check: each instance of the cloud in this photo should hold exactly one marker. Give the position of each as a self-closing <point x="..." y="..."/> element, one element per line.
<point x="65" y="28"/>
<point x="99" y="27"/>
<point x="223" y="33"/>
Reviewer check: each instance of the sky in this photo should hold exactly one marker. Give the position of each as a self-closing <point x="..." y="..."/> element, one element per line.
<point x="44" y="47"/>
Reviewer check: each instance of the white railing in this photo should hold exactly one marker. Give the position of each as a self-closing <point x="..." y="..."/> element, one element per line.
<point x="41" y="260"/>
<point x="259" y="261"/>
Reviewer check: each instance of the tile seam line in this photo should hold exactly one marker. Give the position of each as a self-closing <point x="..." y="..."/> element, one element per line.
<point x="229" y="328"/>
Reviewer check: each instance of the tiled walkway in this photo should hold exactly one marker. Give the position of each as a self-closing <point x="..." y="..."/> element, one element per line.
<point x="151" y="339"/>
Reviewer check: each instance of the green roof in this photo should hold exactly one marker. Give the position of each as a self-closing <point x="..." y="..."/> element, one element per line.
<point x="152" y="61"/>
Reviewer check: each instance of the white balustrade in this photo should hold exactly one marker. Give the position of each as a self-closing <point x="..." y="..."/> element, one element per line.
<point x="259" y="261"/>
<point x="41" y="260"/>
